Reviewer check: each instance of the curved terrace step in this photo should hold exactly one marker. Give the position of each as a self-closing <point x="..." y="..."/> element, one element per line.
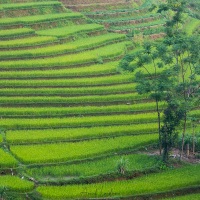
<point x="31" y="8"/>
<point x="90" y="56"/>
<point x="64" y="92"/>
<point x="39" y="19"/>
<point x="16" y="33"/>
<point x="65" y="48"/>
<point x="99" y="6"/>
<point x="108" y="69"/>
<point x="73" y="134"/>
<point x="45" y="101"/>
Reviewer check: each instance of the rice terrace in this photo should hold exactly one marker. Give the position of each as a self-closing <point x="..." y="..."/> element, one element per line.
<point x="99" y="99"/>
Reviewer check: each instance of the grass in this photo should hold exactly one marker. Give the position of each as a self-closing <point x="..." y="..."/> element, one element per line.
<point x="39" y="18"/>
<point x="31" y="136"/>
<point x="10" y="33"/>
<point x="134" y="162"/>
<point x="15" y="183"/>
<point x="28" y="5"/>
<point x="95" y="90"/>
<point x="109" y="51"/>
<point x="62" y="152"/>
<point x="154" y="183"/>
<point x="107" y="13"/>
<point x="138" y="26"/>
<point x="30" y="41"/>
<point x="1" y="138"/>
<point x="88" y="99"/>
<point x="78" y="45"/>
<point x="94" y="41"/>
<point x="6" y="160"/>
<point x="24" y="123"/>
<point x="79" y="110"/>
<point x="13" y="1"/>
<point x="113" y="98"/>
<point x="185" y="197"/>
<point x="191" y="25"/>
<point x="115" y="79"/>
<point x="195" y="113"/>
<point x="70" y="30"/>
<point x="152" y="31"/>
<point x="125" y="19"/>
<point x="98" y="69"/>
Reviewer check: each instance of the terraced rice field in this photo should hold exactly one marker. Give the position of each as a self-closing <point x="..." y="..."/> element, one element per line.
<point x="68" y="117"/>
<point x="130" y="17"/>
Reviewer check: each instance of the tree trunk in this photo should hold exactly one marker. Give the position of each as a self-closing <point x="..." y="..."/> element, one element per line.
<point x="188" y="150"/>
<point x="183" y="136"/>
<point x="165" y="150"/>
<point x="159" y="127"/>
<point x="193" y="140"/>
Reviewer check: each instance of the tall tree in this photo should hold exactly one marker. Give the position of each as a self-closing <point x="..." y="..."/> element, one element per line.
<point x="182" y="54"/>
<point x="150" y="80"/>
<point x="151" y="75"/>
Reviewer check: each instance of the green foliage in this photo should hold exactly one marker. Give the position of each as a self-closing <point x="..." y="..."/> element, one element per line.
<point x="173" y="115"/>
<point x="125" y="62"/>
<point x="181" y="53"/>
<point x="189" y="140"/>
<point x="153" y="84"/>
<point x="150" y="82"/>
<point x="195" y="8"/>
<point x="1" y="137"/>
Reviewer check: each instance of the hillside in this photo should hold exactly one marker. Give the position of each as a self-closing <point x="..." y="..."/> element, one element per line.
<point x="130" y="17"/>
<point x="72" y="126"/>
